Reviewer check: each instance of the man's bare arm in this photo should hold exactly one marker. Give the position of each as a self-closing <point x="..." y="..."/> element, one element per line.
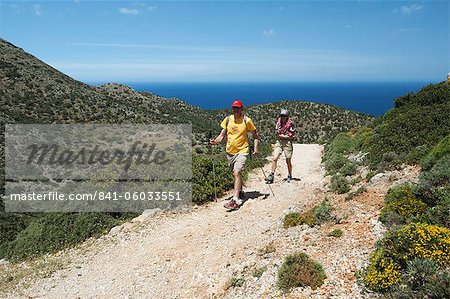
<point x="219" y="138"/>
<point x="256" y="142"/>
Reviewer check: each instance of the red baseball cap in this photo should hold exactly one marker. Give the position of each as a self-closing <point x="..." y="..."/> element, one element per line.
<point x="237" y="103"/>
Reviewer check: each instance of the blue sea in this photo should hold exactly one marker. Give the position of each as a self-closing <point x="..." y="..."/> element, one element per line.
<point x="374" y="98"/>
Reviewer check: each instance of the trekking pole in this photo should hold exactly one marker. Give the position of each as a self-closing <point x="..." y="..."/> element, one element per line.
<point x="214" y="167"/>
<point x="265" y="177"/>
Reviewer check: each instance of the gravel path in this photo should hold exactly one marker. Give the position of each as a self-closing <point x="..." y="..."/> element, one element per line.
<point x="185" y="255"/>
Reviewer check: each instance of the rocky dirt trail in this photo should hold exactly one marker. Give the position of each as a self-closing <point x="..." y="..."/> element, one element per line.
<point x="196" y="254"/>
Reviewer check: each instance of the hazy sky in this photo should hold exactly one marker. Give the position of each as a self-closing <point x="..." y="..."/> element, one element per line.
<point x="234" y="40"/>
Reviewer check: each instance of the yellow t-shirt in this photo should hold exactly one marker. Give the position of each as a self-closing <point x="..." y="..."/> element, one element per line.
<point x="237" y="140"/>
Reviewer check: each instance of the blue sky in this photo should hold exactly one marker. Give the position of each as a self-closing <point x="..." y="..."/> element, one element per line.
<point x="149" y="41"/>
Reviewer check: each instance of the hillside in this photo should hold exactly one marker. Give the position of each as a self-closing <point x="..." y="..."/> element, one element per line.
<point x="412" y="257"/>
<point x="34" y="92"/>
<point x="416" y="123"/>
<point x="315" y="122"/>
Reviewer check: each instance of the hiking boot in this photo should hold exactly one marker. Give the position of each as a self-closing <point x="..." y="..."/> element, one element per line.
<point x="289" y="178"/>
<point x="232" y="205"/>
<point x="269" y="179"/>
<point x="227" y="203"/>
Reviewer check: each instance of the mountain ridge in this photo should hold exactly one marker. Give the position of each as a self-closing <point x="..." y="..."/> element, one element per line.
<point x="38" y="93"/>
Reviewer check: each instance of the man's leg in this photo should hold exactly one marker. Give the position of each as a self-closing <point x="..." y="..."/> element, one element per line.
<point x="237" y="163"/>
<point x="237" y="183"/>
<point x="237" y="169"/>
<point x="236" y="202"/>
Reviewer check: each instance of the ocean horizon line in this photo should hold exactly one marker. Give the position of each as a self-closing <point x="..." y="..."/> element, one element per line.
<point x="373" y="97"/>
<point x="133" y="82"/>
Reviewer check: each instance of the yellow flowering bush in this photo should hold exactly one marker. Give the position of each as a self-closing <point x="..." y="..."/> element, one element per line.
<point x="419" y="240"/>
<point x="413" y="241"/>
<point x="382" y="272"/>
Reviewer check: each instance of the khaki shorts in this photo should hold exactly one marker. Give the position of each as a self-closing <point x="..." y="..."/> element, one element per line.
<point x="237" y="162"/>
<point x="283" y="147"/>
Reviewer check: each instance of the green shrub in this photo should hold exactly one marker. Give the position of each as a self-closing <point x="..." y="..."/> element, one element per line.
<point x="199" y="149"/>
<point x="12" y="223"/>
<point x="335" y="163"/>
<point x="416" y="154"/>
<point x="428" y="95"/>
<point x="363" y="139"/>
<point x="358" y="139"/>
<point x="422" y="279"/>
<point x="237" y="281"/>
<point x="392" y="219"/>
<point x="419" y="271"/>
<point x="339" y="184"/>
<point x="294" y="219"/>
<point x="349" y="168"/>
<point x="438" y="287"/>
<point x="337" y="233"/>
<point x="370" y="175"/>
<point x="342" y="144"/>
<point x="432" y="196"/>
<point x="56" y="231"/>
<point x="439" y="214"/>
<point x="434" y="184"/>
<point x="299" y="270"/>
<point x="389" y="161"/>
<point x="336" y="152"/>
<point x="311" y="217"/>
<point x="203" y="177"/>
<point x="400" y="205"/>
<point x="440" y="150"/>
<point x="322" y="212"/>
<point x="439" y="174"/>
<point x="398" y="192"/>
<point x="259" y="272"/>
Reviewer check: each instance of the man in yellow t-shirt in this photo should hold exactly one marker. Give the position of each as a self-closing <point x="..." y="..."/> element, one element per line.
<point x="235" y="127"/>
